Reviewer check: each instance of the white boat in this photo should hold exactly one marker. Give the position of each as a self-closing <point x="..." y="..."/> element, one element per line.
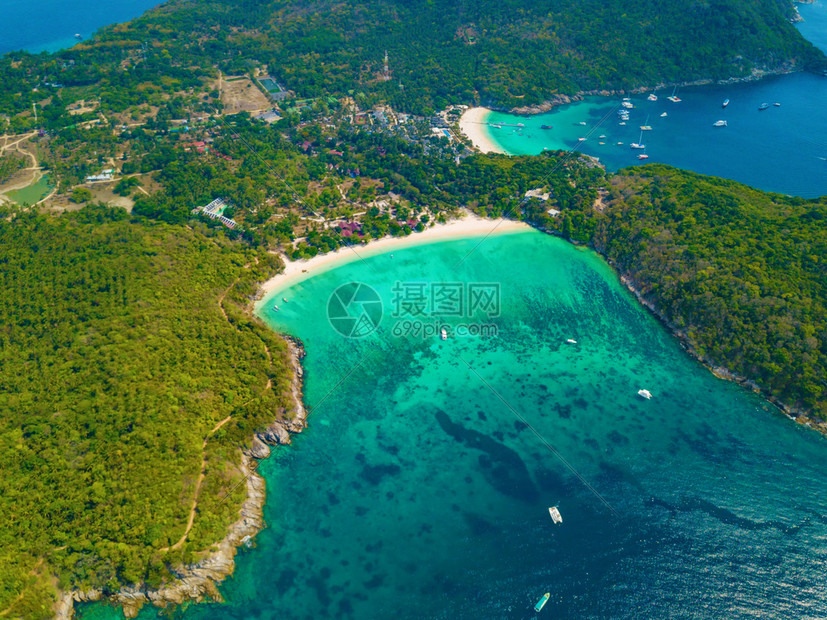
<point x="652" y="97"/>
<point x="725" y="103"/>
<point x="719" y="124"/>
<point x="284" y="299"/>
<point x="777" y="105"/>
<point x="555" y="514"/>
<point x="582" y="123"/>
<point x="443" y="334"/>
<point x="673" y="97"/>
<point x="664" y="114"/>
<point x="620" y="144"/>
<point x="639" y="144"/>
<point x="622" y="123"/>
<point x="581" y="139"/>
<point x="646" y="128"/>
<point x="275" y="307"/>
<point x="602" y="136"/>
<point x="571" y="341"/>
<point x="627" y="104"/>
<point x="644" y="394"/>
<point x="643" y="156"/>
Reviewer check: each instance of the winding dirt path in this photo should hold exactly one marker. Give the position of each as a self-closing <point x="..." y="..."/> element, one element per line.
<point x="191" y="519"/>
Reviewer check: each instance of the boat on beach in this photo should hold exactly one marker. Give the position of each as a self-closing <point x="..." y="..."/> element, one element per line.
<point x="542" y="602"/>
<point x="644" y="394"/>
<point x="555" y="514"/>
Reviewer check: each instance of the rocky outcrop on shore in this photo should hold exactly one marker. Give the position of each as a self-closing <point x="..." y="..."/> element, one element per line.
<point x="199" y="581"/>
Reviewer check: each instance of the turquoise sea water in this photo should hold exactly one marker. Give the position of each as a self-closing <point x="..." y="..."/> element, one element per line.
<point x="50" y="25"/>
<point x="782" y="149"/>
<point x="418" y="492"/>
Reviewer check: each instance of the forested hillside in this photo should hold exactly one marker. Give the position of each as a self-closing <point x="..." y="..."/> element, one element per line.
<point x="507" y="53"/>
<point x="119" y="359"/>
<point x="742" y="273"/>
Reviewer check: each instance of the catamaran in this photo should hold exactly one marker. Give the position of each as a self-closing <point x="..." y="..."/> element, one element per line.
<point x="639" y="144"/>
<point x="652" y="97"/>
<point x="555" y="514"/>
<point x="644" y="394"/>
<point x="673" y="97"/>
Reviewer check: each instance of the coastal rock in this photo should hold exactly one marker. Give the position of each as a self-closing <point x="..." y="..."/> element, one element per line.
<point x="275" y="435"/>
<point x="259" y="449"/>
<point x="131" y="600"/>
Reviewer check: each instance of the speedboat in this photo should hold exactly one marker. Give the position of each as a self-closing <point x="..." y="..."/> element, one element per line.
<point x="719" y="124"/>
<point x="443" y="333"/>
<point x="663" y="115"/>
<point x="581" y="139"/>
<point x="275" y="307"/>
<point x="763" y="106"/>
<point x="284" y="299"/>
<point x="725" y="103"/>
<point x="571" y="341"/>
<point x="644" y="394"/>
<point x="777" y="105"/>
<point x="542" y="602"/>
<point x="601" y="136"/>
<point x="555" y="514"/>
<point x="643" y="156"/>
<point x="582" y="123"/>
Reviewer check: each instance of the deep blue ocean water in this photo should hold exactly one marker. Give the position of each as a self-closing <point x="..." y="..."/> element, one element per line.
<point x="50" y="25"/>
<point x="781" y="149"/>
<point x="417" y="491"/>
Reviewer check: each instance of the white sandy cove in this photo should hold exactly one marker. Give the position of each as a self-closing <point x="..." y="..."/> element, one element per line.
<point x="469" y="226"/>
<point x="472" y="124"/>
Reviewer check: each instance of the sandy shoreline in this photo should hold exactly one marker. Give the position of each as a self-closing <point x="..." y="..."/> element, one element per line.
<point x="472" y="124"/>
<point x="469" y="226"/>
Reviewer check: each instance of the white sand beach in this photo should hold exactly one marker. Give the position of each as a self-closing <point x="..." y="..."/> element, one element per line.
<point x="472" y="124"/>
<point x="468" y="226"/>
